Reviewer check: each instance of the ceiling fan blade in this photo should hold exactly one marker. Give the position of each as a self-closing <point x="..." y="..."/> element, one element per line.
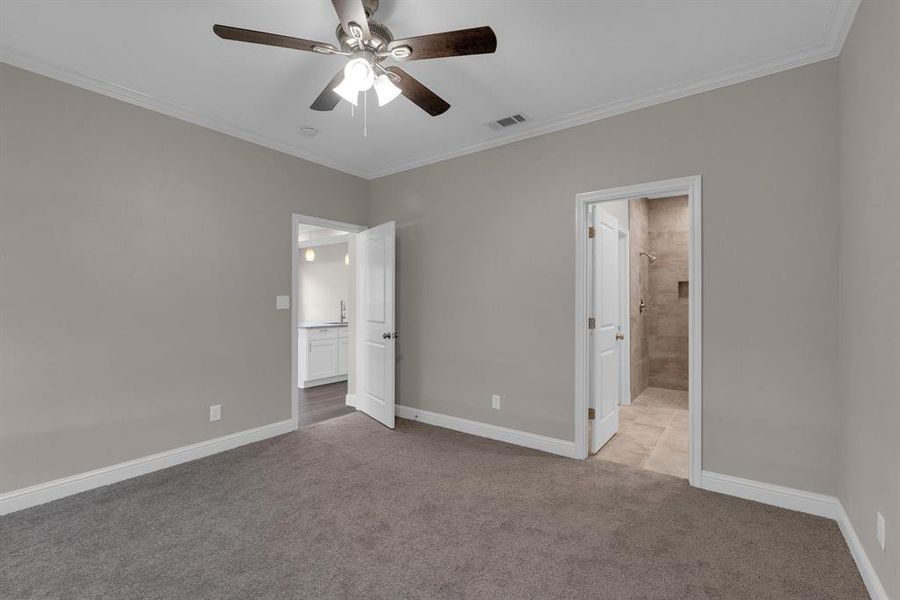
<point x="271" y="39"/>
<point x="478" y="40"/>
<point x="351" y="12"/>
<point x="420" y="95"/>
<point x="328" y="99"/>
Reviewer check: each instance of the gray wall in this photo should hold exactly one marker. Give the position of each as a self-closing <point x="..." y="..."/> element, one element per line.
<point x="869" y="325"/>
<point x="140" y="257"/>
<point x="324" y="283"/>
<point x="486" y="276"/>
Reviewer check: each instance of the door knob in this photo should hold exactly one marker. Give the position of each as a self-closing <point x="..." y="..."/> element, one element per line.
<point x="386" y="336"/>
<point x="620" y="336"/>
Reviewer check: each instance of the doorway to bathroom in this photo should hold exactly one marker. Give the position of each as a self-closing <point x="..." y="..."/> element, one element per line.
<point x="638" y="326"/>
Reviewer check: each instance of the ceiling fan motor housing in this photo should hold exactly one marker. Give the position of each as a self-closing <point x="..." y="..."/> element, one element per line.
<point x="380" y="38"/>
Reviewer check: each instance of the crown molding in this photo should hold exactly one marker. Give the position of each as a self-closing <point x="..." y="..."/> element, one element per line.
<point x="17" y="58"/>
<point x="835" y="34"/>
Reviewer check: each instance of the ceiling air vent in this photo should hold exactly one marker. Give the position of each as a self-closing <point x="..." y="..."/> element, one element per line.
<point x="506" y="122"/>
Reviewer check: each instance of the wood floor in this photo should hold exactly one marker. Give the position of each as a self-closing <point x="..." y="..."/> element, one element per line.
<point x="323" y="402"/>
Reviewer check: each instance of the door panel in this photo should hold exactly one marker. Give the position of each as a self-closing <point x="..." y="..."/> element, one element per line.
<point x="376" y="328"/>
<point x="604" y="396"/>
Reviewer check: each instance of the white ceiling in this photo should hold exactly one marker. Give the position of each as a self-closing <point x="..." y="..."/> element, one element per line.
<point x="559" y="63"/>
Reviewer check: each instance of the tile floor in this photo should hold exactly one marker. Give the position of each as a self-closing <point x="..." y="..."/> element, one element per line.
<point x="653" y="433"/>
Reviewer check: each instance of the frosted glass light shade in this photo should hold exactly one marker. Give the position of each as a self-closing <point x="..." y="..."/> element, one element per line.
<point x="346" y="259"/>
<point x="385" y="89"/>
<point x="309" y="255"/>
<point x="358" y="73"/>
<point x="347" y="91"/>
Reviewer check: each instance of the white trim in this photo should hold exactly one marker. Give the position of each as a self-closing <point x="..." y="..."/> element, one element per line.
<point x="329" y="224"/>
<point x="323" y="381"/>
<point x="493" y="432"/>
<point x="866" y="570"/>
<point x="296" y="221"/>
<point x="324" y="241"/>
<point x="774" y="495"/>
<point x="625" y="311"/>
<point x="74" y="484"/>
<point x="811" y="503"/>
<point x="350" y="400"/>
<point x="835" y="34"/>
<point x="691" y="186"/>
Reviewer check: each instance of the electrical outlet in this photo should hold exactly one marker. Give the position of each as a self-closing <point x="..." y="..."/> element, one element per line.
<point x="215" y="412"/>
<point x="879" y="529"/>
<point x="495" y="402"/>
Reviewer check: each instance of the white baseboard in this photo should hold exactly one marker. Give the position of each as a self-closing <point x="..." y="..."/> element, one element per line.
<point x="870" y="577"/>
<point x="351" y="400"/>
<point x="494" y="432"/>
<point x="806" y="502"/>
<point x="305" y="385"/>
<point x="66" y="486"/>
<point x="775" y="495"/>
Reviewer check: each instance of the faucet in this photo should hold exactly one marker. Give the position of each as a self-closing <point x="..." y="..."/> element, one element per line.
<point x="343" y="312"/>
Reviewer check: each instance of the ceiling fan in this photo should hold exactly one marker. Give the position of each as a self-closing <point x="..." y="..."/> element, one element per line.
<point x="368" y="43"/>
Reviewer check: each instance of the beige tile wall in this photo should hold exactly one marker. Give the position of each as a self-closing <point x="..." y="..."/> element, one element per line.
<point x="668" y="313"/>
<point x="639" y="240"/>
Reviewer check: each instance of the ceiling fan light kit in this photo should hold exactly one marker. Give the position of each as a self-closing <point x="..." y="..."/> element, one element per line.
<point x="368" y="43"/>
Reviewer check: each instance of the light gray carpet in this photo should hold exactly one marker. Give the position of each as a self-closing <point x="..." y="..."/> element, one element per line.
<point x="348" y="509"/>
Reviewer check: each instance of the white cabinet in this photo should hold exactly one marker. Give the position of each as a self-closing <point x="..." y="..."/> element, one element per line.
<point x="322" y="359"/>
<point x="322" y="355"/>
<point x="342" y="355"/>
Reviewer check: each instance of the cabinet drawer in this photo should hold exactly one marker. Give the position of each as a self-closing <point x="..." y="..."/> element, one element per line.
<point x="343" y="332"/>
<point x="322" y="333"/>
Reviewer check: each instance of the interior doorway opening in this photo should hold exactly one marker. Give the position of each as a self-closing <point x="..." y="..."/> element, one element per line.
<point x="342" y="320"/>
<point x="654" y="291"/>
<point x="638" y="336"/>
<point x="324" y="291"/>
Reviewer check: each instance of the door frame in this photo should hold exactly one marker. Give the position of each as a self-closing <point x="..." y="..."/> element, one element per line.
<point x="296" y="221"/>
<point x="691" y="187"/>
<point x="625" y="312"/>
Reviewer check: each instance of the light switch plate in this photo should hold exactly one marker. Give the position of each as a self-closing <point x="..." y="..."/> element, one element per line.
<point x="282" y="302"/>
<point x="879" y="529"/>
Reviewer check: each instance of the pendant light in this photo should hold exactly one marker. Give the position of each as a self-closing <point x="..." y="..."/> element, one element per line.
<point x="310" y="255"/>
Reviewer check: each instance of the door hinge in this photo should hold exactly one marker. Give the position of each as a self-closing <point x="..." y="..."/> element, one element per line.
<point x="591" y="414"/>
<point x="592" y="323"/>
<point x="591" y="232"/>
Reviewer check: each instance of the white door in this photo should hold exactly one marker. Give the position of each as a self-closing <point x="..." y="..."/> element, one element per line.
<point x="375" y="330"/>
<point x="604" y="396"/>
